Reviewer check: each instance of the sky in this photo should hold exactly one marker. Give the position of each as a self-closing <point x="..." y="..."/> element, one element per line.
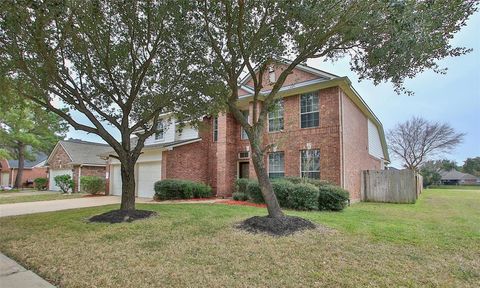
<point x="453" y="98"/>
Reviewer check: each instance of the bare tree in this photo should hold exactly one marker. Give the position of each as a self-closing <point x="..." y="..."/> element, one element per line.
<point x="418" y="140"/>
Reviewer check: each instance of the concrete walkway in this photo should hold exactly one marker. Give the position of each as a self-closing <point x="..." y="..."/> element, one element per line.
<point x="55" y="205"/>
<point x="12" y="275"/>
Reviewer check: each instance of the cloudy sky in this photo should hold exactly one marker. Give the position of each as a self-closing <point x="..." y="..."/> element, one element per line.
<point x="453" y="98"/>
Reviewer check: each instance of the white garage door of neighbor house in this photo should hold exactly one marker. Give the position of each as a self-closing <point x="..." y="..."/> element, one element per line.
<point x="148" y="174"/>
<point x="116" y="180"/>
<point x="53" y="173"/>
<point x="4" y="179"/>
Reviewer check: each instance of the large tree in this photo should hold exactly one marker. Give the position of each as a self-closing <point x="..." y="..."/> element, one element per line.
<point x="386" y="41"/>
<point x="472" y="166"/>
<point x="418" y="140"/>
<point x="119" y="63"/>
<point x="26" y="128"/>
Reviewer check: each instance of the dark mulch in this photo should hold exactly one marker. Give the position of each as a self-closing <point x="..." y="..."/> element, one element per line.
<point x="119" y="216"/>
<point x="284" y="226"/>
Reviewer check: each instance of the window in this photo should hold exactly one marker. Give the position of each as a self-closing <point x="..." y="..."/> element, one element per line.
<point x="275" y="117"/>
<point x="160" y="134"/>
<point x="276" y="165"/>
<point x="244" y="155"/>
<point x="215" y="129"/>
<point x="310" y="163"/>
<point x="243" y="134"/>
<point x="309" y="112"/>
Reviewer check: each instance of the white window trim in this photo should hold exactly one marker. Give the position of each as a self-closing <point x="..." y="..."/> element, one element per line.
<point x="300" y="110"/>
<point x="163" y="133"/>
<point x="271" y="118"/>
<point x="268" y="162"/>
<point x="215" y="129"/>
<point x="319" y="159"/>
<point x="243" y="134"/>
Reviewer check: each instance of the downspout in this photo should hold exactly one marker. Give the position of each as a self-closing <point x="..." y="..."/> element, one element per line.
<point x="342" y="146"/>
<point x="79" y="176"/>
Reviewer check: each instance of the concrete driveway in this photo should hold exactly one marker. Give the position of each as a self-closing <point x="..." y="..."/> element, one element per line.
<point x="55" y="205"/>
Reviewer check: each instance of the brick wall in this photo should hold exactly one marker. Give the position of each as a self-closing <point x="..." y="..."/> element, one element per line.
<point x="60" y="159"/>
<point x="98" y="171"/>
<point x="355" y="147"/>
<point x="29" y="174"/>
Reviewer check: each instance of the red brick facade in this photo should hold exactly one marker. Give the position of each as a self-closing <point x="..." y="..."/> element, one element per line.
<point x="29" y="174"/>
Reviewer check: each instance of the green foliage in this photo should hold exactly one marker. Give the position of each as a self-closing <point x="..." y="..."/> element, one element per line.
<point x="241" y="185"/>
<point x="4" y="154"/>
<point x="430" y="175"/>
<point x="170" y="189"/>
<point x="239" y="196"/>
<point x="299" y="180"/>
<point x="283" y="189"/>
<point x="40" y="183"/>
<point x="64" y="182"/>
<point x="254" y="192"/>
<point x="92" y="184"/>
<point x="472" y="166"/>
<point x="333" y="198"/>
<point x="303" y="197"/>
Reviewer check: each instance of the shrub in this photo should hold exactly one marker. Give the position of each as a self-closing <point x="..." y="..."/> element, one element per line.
<point x="299" y="180"/>
<point x="254" y="193"/>
<point x="40" y="183"/>
<point x="237" y="196"/>
<point x="282" y="189"/>
<point x="92" y="184"/>
<point x="303" y="197"/>
<point x="169" y="189"/>
<point x="241" y="185"/>
<point x="333" y="198"/>
<point x="64" y="182"/>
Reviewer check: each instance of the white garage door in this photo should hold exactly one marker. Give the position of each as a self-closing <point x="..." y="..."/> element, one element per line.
<point x="148" y="174"/>
<point x="4" y="179"/>
<point x="55" y="172"/>
<point x="115" y="180"/>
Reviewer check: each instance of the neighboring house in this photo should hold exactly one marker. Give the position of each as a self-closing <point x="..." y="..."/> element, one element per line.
<point x="454" y="177"/>
<point x="76" y="158"/>
<point x="322" y="127"/>
<point x="32" y="170"/>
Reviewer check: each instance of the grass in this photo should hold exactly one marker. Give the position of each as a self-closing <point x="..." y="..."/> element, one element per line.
<point x="457" y="187"/>
<point x="433" y="243"/>
<point x="40" y="197"/>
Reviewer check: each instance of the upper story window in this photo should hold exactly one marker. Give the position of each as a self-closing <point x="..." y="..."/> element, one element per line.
<point x="275" y="117"/>
<point x="309" y="112"/>
<point x="160" y="134"/>
<point x="310" y="163"/>
<point x="215" y="129"/>
<point x="243" y="133"/>
<point x="276" y="165"/>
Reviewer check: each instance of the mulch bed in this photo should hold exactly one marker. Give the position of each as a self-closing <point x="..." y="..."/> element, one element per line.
<point x="120" y="216"/>
<point x="241" y="203"/>
<point x="284" y="226"/>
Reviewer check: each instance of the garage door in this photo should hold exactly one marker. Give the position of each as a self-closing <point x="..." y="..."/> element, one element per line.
<point x="4" y="179"/>
<point x="116" y="180"/>
<point x="54" y="172"/>
<point x="148" y="174"/>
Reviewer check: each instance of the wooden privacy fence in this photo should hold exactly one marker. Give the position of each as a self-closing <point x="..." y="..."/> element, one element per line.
<point x="393" y="186"/>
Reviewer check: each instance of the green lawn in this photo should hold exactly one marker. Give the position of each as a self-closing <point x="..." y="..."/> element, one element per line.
<point x="433" y="243"/>
<point x="40" y="197"/>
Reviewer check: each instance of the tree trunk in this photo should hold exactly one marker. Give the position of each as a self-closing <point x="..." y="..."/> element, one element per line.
<point x="21" y="165"/>
<point x="128" y="184"/>
<point x="273" y="207"/>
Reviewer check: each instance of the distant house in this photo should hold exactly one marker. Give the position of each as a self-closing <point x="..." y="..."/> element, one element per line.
<point x="454" y="177"/>
<point x="76" y="158"/>
<point x="32" y="169"/>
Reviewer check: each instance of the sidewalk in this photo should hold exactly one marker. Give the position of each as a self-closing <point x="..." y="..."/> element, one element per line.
<point x="12" y="275"/>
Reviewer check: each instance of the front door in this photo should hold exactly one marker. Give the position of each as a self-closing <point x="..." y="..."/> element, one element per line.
<point x="243" y="170"/>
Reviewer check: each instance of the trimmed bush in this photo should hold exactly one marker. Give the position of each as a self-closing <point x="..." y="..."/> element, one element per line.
<point x="282" y="189"/>
<point x="241" y="185"/>
<point x="170" y="189"/>
<point x="64" y="182"/>
<point x="254" y="193"/>
<point x="40" y="183"/>
<point x="237" y="196"/>
<point x="92" y="184"/>
<point x="333" y="198"/>
<point x="303" y="197"/>
<point x="299" y="180"/>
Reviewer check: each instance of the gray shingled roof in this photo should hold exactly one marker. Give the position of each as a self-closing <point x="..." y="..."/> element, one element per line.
<point x="83" y="152"/>
<point x="40" y="157"/>
<point x="455" y="175"/>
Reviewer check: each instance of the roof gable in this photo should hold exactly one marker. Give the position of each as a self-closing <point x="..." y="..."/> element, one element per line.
<point x="82" y="152"/>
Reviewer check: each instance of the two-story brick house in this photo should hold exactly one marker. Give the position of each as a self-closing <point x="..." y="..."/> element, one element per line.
<point x="321" y="129"/>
